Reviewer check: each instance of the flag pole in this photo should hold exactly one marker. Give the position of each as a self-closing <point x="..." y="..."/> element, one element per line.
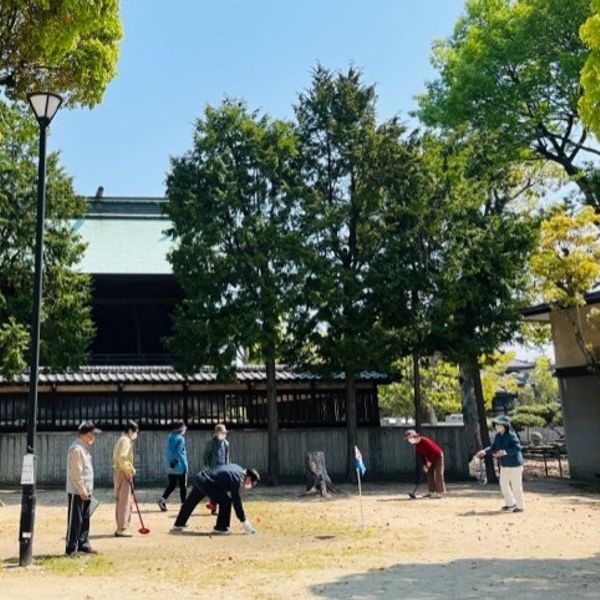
<point x="362" y="515"/>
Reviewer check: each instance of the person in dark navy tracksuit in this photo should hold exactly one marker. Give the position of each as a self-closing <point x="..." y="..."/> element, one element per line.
<point x="223" y="485"/>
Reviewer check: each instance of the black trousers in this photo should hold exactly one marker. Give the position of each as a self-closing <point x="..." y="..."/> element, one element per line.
<point x="216" y="495"/>
<point x="78" y="523"/>
<point x="174" y="481"/>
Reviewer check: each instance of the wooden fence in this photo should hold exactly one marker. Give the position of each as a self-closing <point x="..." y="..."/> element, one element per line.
<point x="386" y="453"/>
<point x="201" y="409"/>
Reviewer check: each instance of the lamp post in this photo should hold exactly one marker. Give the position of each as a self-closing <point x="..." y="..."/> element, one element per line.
<point x="44" y="105"/>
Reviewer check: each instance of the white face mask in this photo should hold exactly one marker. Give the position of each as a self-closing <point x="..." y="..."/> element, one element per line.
<point x="133" y="435"/>
<point x="413" y="441"/>
<point x="248" y="486"/>
<point x="221" y="436"/>
<point x="500" y="428"/>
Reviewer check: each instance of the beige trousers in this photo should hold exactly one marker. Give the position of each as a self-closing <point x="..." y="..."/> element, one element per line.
<point x="124" y="500"/>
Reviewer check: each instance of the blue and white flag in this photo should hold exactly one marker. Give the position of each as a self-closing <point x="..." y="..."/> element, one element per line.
<point x="359" y="465"/>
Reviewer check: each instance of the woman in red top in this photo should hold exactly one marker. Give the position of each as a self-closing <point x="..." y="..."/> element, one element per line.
<point x="432" y="459"/>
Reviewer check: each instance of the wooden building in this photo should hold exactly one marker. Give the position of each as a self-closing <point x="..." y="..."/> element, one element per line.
<point x="130" y="373"/>
<point x="579" y="385"/>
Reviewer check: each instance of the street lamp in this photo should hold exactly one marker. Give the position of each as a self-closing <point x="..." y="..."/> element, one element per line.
<point x="44" y="105"/>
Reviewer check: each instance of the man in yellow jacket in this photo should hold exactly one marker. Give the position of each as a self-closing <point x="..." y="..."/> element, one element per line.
<point x="123" y="476"/>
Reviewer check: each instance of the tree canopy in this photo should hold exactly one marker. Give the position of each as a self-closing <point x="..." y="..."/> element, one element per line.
<point x="231" y="201"/>
<point x="69" y="47"/>
<point x="513" y="68"/>
<point x="66" y="328"/>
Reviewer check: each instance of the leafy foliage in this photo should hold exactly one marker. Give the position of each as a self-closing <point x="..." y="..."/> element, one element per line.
<point x="589" y="103"/>
<point x="230" y="200"/>
<point x="70" y="47"/>
<point x="495" y="377"/>
<point x="513" y="68"/>
<point x="567" y="263"/>
<point x="339" y="143"/>
<point x="67" y="328"/>
<point x="439" y="386"/>
<point x="541" y="386"/>
<point x="537" y="415"/>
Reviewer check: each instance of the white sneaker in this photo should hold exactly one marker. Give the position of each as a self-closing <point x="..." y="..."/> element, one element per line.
<point x="123" y="533"/>
<point x="178" y="528"/>
<point x="221" y="531"/>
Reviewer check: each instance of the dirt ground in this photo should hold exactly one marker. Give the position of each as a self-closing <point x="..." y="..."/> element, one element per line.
<point x="460" y="547"/>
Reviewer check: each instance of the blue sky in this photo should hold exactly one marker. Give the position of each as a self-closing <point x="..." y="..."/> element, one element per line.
<point x="178" y="56"/>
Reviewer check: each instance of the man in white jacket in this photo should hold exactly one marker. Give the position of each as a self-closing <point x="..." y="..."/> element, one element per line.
<point x="80" y="487"/>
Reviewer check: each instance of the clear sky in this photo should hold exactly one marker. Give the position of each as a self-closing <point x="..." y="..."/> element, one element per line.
<point x="178" y="56"/>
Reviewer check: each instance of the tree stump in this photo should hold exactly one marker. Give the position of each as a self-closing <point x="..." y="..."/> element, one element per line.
<point x="317" y="478"/>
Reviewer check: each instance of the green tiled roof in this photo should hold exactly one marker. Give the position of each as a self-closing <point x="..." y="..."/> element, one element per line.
<point x="125" y="237"/>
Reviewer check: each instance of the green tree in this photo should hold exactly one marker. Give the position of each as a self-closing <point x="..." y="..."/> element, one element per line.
<point x="231" y="202"/>
<point x="335" y="319"/>
<point x="67" y="327"/>
<point x="483" y="285"/>
<point x="548" y="415"/>
<point x="420" y="184"/>
<point x="495" y="377"/>
<point x="440" y="388"/>
<point x="566" y="266"/>
<point x="69" y="47"/>
<point x="541" y="386"/>
<point x="513" y="68"/>
<point x="589" y="103"/>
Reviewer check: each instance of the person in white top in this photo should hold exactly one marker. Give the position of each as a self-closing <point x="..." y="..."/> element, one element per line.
<point x="80" y="487"/>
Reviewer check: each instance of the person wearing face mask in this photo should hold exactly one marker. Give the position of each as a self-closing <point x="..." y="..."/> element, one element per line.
<point x="80" y="487"/>
<point x="432" y="461"/>
<point x="123" y="476"/>
<point x="216" y="452"/>
<point x="177" y="464"/>
<point x="223" y="485"/>
<point x="506" y="447"/>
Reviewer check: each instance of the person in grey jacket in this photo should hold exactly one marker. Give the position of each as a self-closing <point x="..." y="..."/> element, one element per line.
<point x="216" y="453"/>
<point x="80" y="487"/>
<point x="506" y="447"/>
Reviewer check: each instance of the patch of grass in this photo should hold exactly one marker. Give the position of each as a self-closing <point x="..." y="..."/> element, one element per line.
<point x="296" y="520"/>
<point x="90" y="566"/>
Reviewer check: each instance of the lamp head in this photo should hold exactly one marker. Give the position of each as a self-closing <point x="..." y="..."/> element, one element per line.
<point x="44" y="105"/>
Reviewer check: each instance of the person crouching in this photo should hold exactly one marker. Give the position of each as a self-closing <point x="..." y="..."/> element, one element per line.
<point x="223" y="486"/>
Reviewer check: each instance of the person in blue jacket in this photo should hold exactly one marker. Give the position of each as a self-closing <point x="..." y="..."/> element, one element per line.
<point x="506" y="447"/>
<point x="223" y="485"/>
<point x="177" y="464"/>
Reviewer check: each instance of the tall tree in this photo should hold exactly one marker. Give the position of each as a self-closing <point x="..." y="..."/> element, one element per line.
<point x="68" y="47"/>
<point x="513" y="68"/>
<point x="485" y="276"/>
<point x="66" y="318"/>
<point x="341" y="226"/>
<point x="231" y="202"/>
<point x="420" y="184"/>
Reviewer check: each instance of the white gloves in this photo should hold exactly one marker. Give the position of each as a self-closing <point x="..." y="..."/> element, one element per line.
<point x="248" y="527"/>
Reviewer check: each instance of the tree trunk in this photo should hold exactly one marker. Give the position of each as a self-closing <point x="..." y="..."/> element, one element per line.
<point x="470" y="412"/>
<point x="483" y="426"/>
<point x="417" y="389"/>
<point x="317" y="478"/>
<point x="351" y="425"/>
<point x="417" y="402"/>
<point x="273" y="424"/>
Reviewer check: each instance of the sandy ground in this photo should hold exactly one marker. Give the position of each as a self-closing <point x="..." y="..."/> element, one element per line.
<point x="459" y="548"/>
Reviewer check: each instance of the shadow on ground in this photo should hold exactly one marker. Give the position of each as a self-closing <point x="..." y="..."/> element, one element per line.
<point x="552" y="579"/>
